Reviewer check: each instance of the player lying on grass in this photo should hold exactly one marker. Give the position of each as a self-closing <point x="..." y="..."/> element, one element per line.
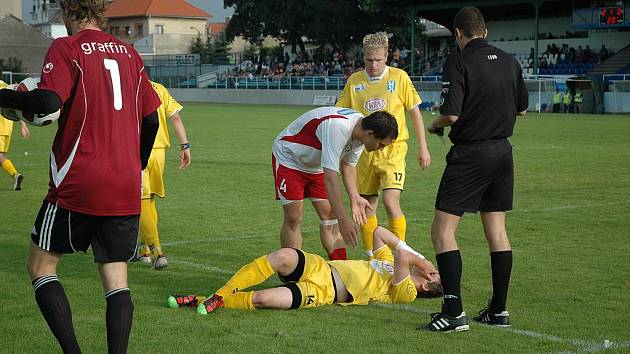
<point x="311" y="281"/>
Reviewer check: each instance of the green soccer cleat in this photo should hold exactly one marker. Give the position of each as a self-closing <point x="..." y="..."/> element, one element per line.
<point x="211" y="304"/>
<point x="175" y="301"/>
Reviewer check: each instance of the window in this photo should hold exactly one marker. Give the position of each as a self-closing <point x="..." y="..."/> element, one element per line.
<point x="127" y="31"/>
<point x="139" y="29"/>
<point x="159" y="28"/>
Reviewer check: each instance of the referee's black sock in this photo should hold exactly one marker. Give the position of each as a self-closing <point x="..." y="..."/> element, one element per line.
<point x="450" y="267"/>
<point x="501" y="263"/>
<point x="54" y="305"/>
<point x="118" y="317"/>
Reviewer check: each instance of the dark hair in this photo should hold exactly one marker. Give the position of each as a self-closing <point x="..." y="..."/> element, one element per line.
<point x="382" y="123"/>
<point x="89" y="10"/>
<point x="470" y="21"/>
<point x="434" y="290"/>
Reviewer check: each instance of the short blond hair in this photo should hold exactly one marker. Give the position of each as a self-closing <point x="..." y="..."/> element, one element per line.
<point x="375" y="41"/>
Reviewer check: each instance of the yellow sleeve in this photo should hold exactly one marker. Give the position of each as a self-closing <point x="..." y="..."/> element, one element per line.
<point x="410" y="96"/>
<point x="344" y="98"/>
<point x="403" y="292"/>
<point x="171" y="106"/>
<point x="384" y="254"/>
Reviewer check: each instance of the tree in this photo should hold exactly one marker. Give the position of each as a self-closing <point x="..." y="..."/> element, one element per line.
<point x="198" y="47"/>
<point x="220" y="53"/>
<point x="339" y="23"/>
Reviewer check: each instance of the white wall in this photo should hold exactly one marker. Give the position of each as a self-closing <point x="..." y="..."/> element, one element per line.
<point x="617" y="102"/>
<point x="614" y="41"/>
<point x="524" y="29"/>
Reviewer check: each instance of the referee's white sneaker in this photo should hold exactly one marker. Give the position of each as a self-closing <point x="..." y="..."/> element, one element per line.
<point x="441" y="322"/>
<point x="17" y="181"/>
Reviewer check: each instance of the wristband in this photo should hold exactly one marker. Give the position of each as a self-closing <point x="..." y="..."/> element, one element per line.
<point x="185" y="146"/>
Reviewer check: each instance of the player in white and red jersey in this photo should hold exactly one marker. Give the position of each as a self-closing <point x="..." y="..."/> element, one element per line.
<point x="308" y="155"/>
<point x="104" y="138"/>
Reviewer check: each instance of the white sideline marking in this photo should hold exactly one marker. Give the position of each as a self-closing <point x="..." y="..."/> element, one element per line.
<point x="583" y="346"/>
<point x="244" y="237"/>
<point x="201" y="266"/>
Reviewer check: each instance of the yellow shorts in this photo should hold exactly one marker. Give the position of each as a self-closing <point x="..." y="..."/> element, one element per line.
<point x="384" y="169"/>
<point x="152" y="181"/>
<point x="5" y="142"/>
<point x="316" y="283"/>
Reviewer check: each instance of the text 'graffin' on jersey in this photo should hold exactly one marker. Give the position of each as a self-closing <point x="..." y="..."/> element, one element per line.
<point x="110" y="47"/>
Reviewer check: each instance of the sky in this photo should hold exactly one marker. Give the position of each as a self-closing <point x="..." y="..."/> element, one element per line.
<point x="214" y="7"/>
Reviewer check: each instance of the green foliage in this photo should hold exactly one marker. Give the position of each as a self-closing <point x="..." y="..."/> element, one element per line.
<point x="220" y="53"/>
<point x="13" y="64"/>
<point x="198" y="47"/>
<point x="339" y="23"/>
<point x="569" y="231"/>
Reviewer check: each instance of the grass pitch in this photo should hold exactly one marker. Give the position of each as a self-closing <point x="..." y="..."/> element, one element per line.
<point x="569" y="232"/>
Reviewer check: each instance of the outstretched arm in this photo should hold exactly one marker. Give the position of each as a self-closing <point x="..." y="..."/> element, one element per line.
<point x="347" y="228"/>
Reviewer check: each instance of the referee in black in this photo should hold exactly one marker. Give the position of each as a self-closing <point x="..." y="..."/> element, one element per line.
<point x="483" y="91"/>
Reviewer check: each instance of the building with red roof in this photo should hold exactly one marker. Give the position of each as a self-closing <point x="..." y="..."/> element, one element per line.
<point x="157" y="26"/>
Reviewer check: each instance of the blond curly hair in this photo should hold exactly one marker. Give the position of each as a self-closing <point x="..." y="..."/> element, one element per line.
<point x="375" y="41"/>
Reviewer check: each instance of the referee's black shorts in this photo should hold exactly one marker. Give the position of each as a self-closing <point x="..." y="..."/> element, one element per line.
<point x="478" y="177"/>
<point x="113" y="238"/>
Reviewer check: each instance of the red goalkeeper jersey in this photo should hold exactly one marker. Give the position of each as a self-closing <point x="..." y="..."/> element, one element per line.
<point x="95" y="158"/>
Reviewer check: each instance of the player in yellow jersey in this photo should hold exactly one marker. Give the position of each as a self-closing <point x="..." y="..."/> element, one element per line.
<point x="152" y="181"/>
<point x="311" y="281"/>
<point x="381" y="87"/>
<point x="6" y="129"/>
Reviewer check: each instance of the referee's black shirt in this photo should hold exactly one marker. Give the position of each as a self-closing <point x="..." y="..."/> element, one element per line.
<point x="484" y="87"/>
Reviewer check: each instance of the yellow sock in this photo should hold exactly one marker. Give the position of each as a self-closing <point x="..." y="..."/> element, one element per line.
<point x="8" y="167"/>
<point x="398" y="226"/>
<point x="148" y="226"/>
<point x="251" y="274"/>
<point x="367" y="231"/>
<point x="241" y="300"/>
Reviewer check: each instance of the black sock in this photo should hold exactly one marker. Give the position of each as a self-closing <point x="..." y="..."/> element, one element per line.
<point x="501" y="263"/>
<point x="54" y="305"/>
<point x="450" y="267"/>
<point x="118" y="317"/>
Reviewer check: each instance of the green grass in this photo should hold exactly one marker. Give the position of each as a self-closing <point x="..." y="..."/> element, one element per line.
<point x="569" y="231"/>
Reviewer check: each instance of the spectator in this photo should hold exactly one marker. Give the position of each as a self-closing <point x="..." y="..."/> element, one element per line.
<point x="603" y="53"/>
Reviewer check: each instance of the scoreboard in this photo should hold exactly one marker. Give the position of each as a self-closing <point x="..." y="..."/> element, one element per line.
<point x="611" y="15"/>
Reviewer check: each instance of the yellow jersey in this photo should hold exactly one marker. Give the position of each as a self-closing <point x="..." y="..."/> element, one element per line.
<point x="166" y="110"/>
<point x="369" y="281"/>
<point x="6" y="126"/>
<point x="393" y="92"/>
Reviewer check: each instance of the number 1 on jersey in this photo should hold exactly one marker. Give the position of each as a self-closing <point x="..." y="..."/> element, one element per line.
<point x="112" y="66"/>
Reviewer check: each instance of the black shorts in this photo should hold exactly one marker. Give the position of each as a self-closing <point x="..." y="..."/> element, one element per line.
<point x="113" y="238"/>
<point x="478" y="177"/>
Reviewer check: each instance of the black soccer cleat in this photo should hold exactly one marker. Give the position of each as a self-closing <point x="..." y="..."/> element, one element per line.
<point x="441" y="322"/>
<point x="501" y="319"/>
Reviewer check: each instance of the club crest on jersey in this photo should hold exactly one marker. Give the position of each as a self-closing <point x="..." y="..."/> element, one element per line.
<point x="48" y="68"/>
<point x="375" y="104"/>
<point x="359" y="88"/>
<point x="391" y="86"/>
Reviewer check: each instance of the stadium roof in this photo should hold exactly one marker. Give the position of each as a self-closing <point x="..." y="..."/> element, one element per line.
<point x="154" y="8"/>
<point x="443" y="11"/>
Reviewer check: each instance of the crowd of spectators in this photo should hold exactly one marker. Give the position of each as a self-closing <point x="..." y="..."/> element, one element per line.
<point x="321" y="62"/>
<point x="554" y="55"/>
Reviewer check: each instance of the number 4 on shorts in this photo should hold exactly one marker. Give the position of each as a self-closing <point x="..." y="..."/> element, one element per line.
<point x="283" y="186"/>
